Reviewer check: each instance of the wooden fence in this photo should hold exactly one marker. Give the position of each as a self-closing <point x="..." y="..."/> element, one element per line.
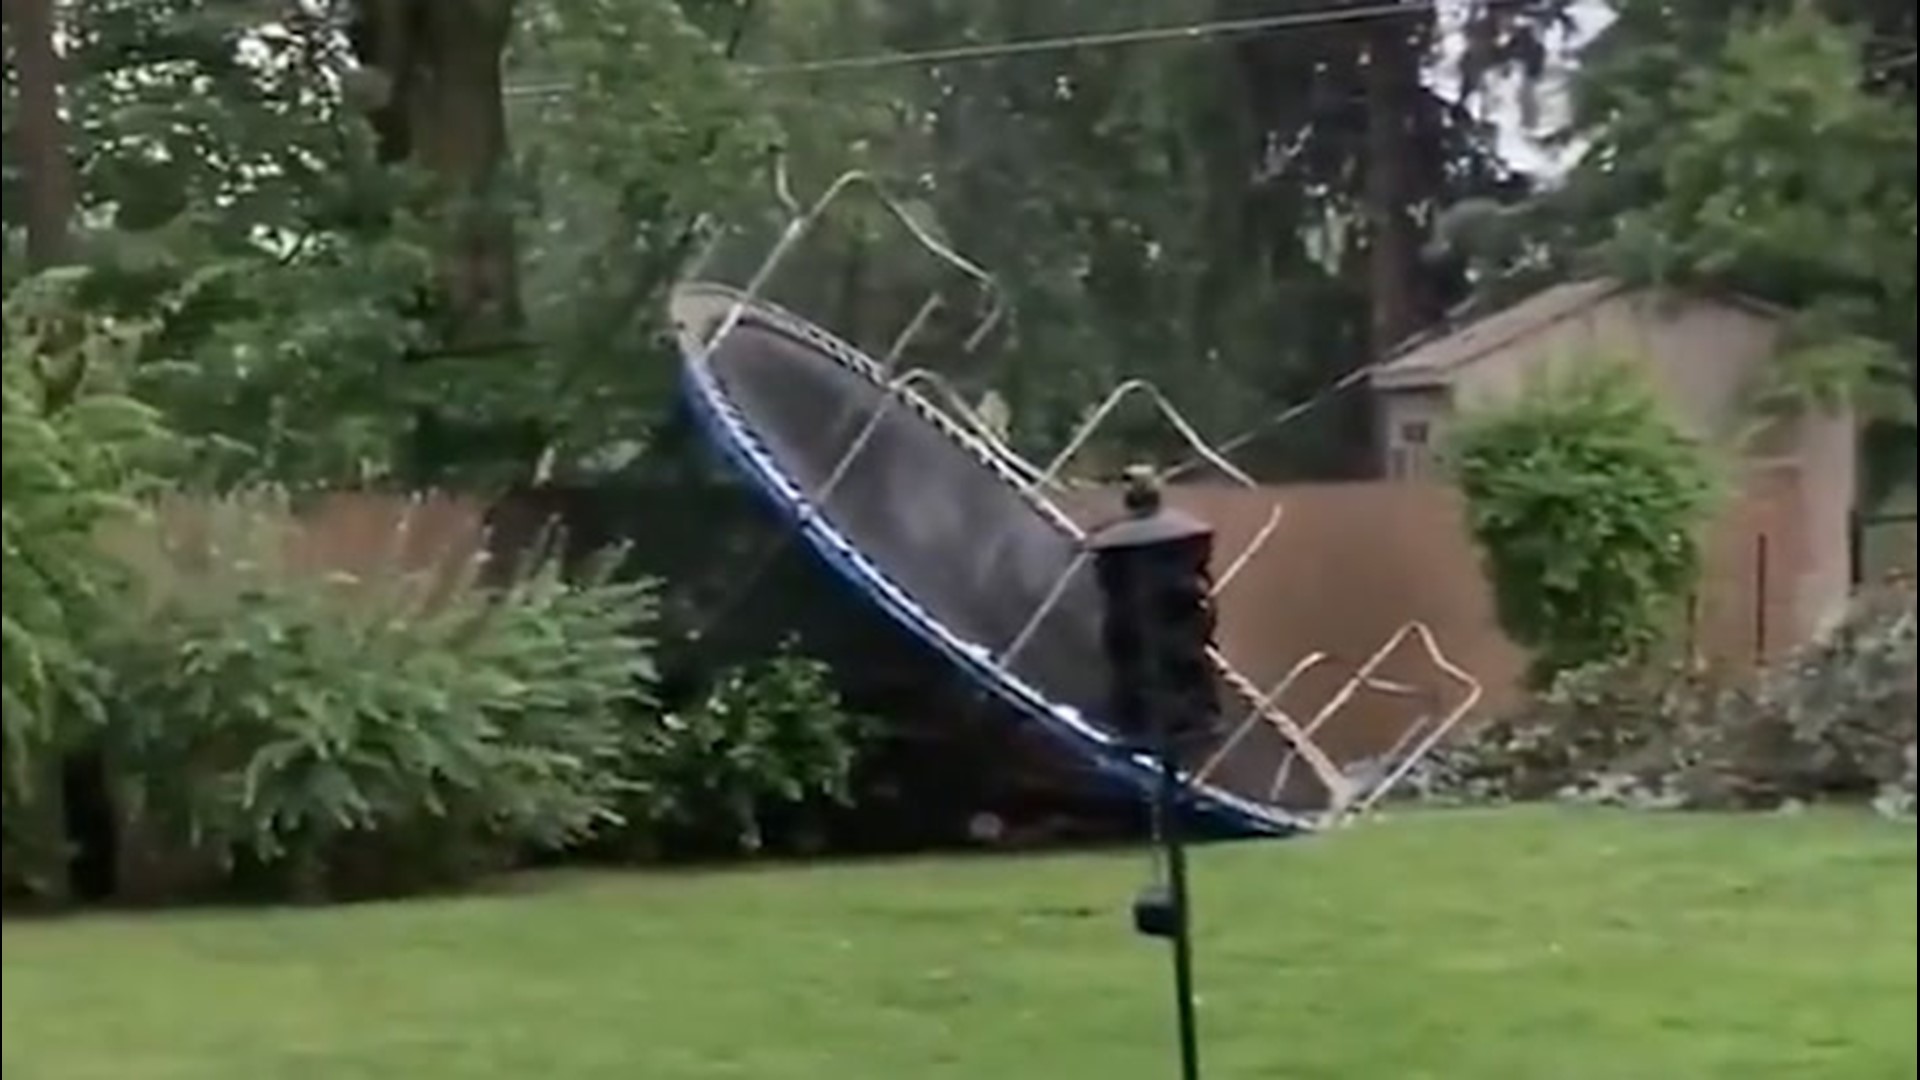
<point x="1349" y="564"/>
<point x="1346" y="567"/>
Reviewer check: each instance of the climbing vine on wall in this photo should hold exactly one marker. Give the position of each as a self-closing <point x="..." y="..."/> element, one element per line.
<point x="1587" y="504"/>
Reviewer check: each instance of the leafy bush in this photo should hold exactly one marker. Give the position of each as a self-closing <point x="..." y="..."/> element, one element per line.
<point x="1834" y="721"/>
<point x="263" y="710"/>
<point x="1612" y="731"/>
<point x="75" y="447"/>
<point x="1586" y="503"/>
<point x="764" y="737"/>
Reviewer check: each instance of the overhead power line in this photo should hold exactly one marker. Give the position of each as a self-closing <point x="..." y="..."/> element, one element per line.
<point x="1214" y="29"/>
<point x="1107" y="39"/>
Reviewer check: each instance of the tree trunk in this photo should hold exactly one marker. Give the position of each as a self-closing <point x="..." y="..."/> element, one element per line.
<point x="89" y="818"/>
<point x="1391" y="247"/>
<point x="42" y="133"/>
<point x="443" y="110"/>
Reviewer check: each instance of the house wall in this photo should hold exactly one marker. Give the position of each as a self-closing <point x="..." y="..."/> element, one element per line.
<point x="1703" y="357"/>
<point x="1829" y="454"/>
<point x="1412" y="429"/>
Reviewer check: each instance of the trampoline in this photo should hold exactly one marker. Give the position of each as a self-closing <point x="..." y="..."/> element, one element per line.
<point x="930" y="522"/>
<point x="927" y="514"/>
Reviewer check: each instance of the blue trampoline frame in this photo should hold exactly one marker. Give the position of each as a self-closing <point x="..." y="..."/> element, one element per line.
<point x="725" y="427"/>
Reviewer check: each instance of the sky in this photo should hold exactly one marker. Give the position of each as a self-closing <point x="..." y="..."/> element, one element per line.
<point x="1520" y="143"/>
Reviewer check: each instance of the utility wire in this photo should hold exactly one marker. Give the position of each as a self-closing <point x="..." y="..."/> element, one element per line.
<point x="1147" y="35"/>
<point x="1216" y="28"/>
<point x="1366" y="371"/>
<point x="1199" y="31"/>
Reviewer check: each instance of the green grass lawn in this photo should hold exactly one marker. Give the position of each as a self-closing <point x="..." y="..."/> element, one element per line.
<point x="1535" y="945"/>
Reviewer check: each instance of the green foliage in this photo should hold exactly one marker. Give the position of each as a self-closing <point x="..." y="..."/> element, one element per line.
<point x="1166" y="212"/>
<point x="763" y="737"/>
<point x="229" y="196"/>
<point x="224" y="148"/>
<point x="76" y="446"/>
<point x="1586" y="503"/>
<point x="289" y="372"/>
<point x="639" y="128"/>
<point x="1181" y="213"/>
<point x="1764" y="146"/>
<point x="1825" y="363"/>
<point x="1776" y="167"/>
<point x="262" y="708"/>
<point x="1780" y="173"/>
<point x="1590" y="734"/>
<point x="1837" y="718"/>
<point x="1833" y="721"/>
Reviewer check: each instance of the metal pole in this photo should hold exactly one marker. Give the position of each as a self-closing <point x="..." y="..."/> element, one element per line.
<point x="1158" y="705"/>
<point x="1161" y="700"/>
<point x="1176" y="855"/>
<point x="1856" y="547"/>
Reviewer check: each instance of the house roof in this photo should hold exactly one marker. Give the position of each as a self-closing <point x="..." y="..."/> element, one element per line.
<point x="1432" y="358"/>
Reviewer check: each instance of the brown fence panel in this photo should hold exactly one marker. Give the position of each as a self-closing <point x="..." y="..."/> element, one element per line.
<point x="1349" y="564"/>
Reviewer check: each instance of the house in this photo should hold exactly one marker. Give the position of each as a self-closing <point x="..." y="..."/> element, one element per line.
<point x="1704" y="353"/>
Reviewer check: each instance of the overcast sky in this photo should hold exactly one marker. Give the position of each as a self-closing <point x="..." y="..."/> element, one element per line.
<point x="1500" y="103"/>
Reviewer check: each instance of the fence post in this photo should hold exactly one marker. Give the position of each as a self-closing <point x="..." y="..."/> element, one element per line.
<point x="1760" y="583"/>
<point x="1693" y="624"/>
<point x="1856" y="547"/>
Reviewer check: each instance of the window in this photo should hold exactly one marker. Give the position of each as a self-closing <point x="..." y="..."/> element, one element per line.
<point x="1413" y="433"/>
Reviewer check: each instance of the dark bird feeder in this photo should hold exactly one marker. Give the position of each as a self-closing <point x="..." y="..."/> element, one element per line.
<point x="1152" y="566"/>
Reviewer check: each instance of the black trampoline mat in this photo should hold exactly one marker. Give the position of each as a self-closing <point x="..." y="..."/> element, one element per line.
<point x="950" y="530"/>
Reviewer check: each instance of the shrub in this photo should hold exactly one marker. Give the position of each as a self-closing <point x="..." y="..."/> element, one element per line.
<point x="763" y="738"/>
<point x="1586" y="503"/>
<point x="1836" y="720"/>
<point x="75" y="446"/>
<point x="264" y="711"/>
<point x="1616" y="731"/>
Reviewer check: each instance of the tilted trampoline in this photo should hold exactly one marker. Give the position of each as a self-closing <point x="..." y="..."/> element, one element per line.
<point x="946" y="530"/>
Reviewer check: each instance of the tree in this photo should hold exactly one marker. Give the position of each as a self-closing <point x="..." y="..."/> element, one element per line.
<point x="1780" y="171"/>
<point x="432" y="88"/>
<point x="308" y="227"/>
<point x="640" y="137"/>
<point x="1781" y="165"/>
<point x="1775" y="172"/>
<point x="1358" y="150"/>
<point x="1192" y="212"/>
<point x="40" y="130"/>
